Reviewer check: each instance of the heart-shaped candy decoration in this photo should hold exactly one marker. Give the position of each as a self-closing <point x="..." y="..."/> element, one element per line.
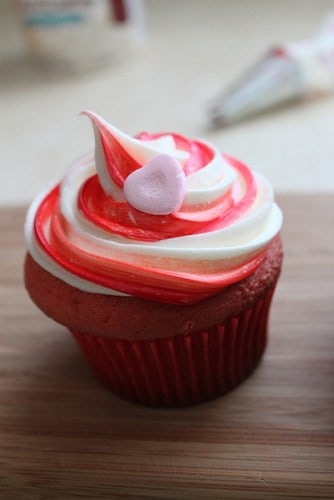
<point x="157" y="188"/>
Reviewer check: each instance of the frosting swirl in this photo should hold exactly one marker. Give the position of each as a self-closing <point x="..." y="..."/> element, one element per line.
<point x="219" y="219"/>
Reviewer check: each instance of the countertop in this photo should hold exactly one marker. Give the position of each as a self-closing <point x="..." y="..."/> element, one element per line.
<point x="64" y="436"/>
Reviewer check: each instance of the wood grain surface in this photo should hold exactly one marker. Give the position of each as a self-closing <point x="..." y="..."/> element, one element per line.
<point x="64" y="436"/>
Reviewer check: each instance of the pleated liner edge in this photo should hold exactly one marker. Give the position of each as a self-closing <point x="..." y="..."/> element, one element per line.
<point x="184" y="369"/>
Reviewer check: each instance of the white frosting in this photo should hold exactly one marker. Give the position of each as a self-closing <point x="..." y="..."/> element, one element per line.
<point x="205" y="252"/>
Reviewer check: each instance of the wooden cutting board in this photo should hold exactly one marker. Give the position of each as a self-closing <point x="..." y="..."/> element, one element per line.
<point x="63" y="436"/>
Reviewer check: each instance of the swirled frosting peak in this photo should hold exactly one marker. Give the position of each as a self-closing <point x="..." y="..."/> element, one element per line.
<point x="158" y="216"/>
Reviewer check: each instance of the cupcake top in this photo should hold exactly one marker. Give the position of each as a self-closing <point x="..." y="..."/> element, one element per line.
<point x="157" y="216"/>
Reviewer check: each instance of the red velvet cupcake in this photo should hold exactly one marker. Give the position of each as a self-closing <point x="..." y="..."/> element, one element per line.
<point x="161" y="256"/>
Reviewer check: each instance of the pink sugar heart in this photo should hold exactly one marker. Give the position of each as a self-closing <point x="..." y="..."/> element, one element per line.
<point x="157" y="188"/>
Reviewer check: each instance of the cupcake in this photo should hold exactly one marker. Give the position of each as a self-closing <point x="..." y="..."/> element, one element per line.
<point x="161" y="256"/>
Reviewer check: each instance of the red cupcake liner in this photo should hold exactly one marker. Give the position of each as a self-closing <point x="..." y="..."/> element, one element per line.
<point x="184" y="369"/>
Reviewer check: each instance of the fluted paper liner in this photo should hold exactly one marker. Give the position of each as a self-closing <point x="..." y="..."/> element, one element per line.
<point x="184" y="369"/>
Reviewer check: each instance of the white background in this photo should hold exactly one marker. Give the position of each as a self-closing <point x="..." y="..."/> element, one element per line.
<point x="193" y="49"/>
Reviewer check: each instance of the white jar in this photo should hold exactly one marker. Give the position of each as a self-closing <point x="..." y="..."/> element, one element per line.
<point x="79" y="34"/>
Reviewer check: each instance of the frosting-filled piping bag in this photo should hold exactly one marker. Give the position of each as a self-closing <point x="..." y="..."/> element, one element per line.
<point x="286" y="73"/>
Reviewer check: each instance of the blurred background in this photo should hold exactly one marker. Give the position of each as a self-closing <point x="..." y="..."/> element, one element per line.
<point x="156" y="69"/>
